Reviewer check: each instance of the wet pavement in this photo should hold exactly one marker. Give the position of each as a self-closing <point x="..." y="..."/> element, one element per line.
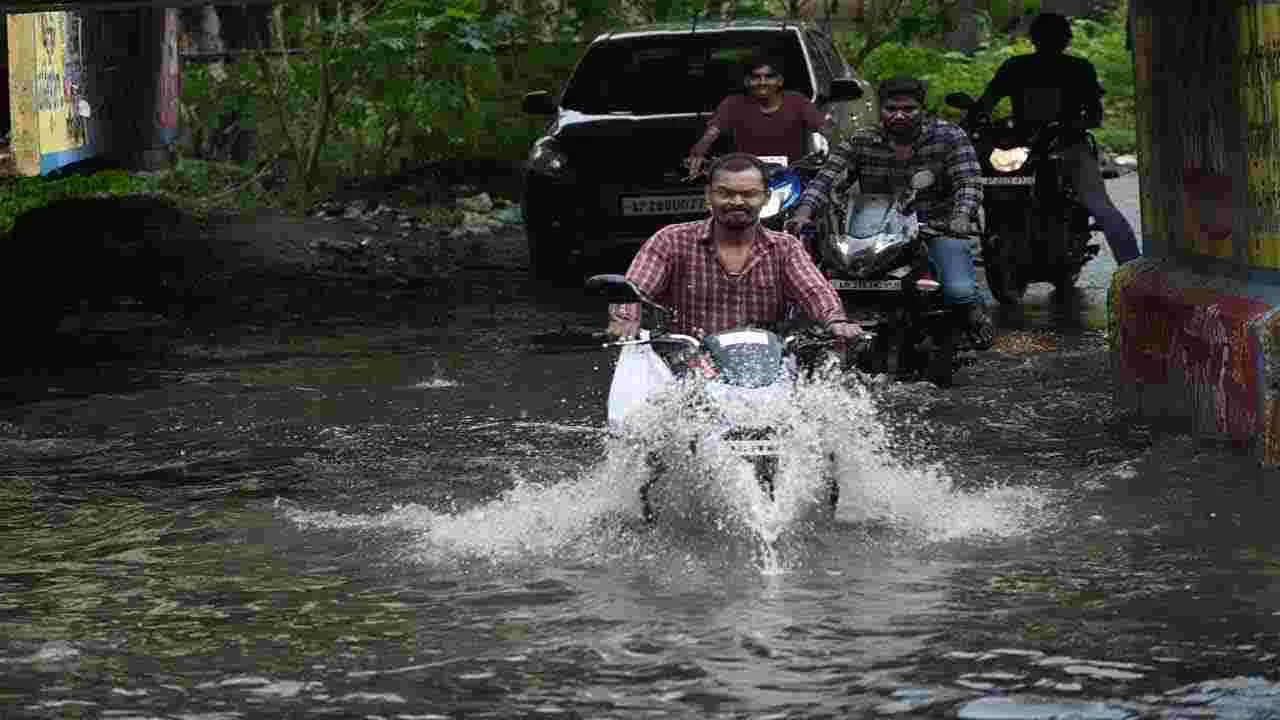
<point x="411" y="510"/>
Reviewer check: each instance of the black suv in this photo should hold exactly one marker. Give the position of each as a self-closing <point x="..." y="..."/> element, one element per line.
<point x="608" y="172"/>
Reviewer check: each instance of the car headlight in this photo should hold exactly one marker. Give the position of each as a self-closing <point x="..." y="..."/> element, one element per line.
<point x="547" y="159"/>
<point x="783" y="193"/>
<point x="1009" y="160"/>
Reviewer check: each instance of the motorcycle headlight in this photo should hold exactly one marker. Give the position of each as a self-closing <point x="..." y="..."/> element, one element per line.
<point x="783" y="193"/>
<point x="547" y="159"/>
<point x="867" y="255"/>
<point x="1010" y="160"/>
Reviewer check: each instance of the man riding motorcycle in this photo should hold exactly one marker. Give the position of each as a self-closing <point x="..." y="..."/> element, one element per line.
<point x="1050" y="86"/>
<point x="727" y="271"/>
<point x="766" y="121"/>
<point x="882" y="159"/>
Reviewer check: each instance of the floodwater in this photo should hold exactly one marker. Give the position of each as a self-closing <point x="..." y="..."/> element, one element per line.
<point x="391" y="514"/>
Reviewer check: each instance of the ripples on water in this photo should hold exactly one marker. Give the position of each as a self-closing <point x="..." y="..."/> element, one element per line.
<point x="498" y="573"/>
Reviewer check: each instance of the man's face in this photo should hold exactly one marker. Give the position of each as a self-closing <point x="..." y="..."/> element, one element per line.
<point x="764" y="81"/>
<point x="736" y="197"/>
<point x="901" y="115"/>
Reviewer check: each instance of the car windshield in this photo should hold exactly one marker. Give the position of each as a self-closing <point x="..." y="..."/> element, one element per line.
<point x="686" y="73"/>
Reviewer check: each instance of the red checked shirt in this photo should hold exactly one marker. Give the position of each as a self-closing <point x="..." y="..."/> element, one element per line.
<point x="678" y="267"/>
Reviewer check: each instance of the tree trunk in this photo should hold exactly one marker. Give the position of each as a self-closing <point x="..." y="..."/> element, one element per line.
<point x="211" y="40"/>
<point x="964" y="33"/>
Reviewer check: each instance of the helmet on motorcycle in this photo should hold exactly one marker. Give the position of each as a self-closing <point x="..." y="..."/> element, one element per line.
<point x="1050" y="31"/>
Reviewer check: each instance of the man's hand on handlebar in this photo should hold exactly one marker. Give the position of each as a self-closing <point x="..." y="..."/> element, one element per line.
<point x="846" y="330"/>
<point x="799" y="222"/>
<point x="620" y="329"/>
<point x="694" y="164"/>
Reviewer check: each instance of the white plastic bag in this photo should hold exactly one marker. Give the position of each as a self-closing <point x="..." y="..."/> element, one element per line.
<point x="638" y="375"/>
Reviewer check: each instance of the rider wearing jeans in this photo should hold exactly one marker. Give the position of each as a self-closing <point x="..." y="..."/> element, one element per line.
<point x="883" y="159"/>
<point x="1047" y="86"/>
<point x="766" y="121"/>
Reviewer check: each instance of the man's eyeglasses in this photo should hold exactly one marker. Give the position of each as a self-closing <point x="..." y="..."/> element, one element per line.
<point x="725" y="195"/>
<point x="901" y="110"/>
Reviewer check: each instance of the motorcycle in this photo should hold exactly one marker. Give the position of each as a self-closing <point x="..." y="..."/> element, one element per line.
<point x="738" y="375"/>
<point x="1034" y="228"/>
<point x="880" y="267"/>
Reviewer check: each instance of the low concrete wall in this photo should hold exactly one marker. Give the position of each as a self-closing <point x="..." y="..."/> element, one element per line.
<point x="1198" y="352"/>
<point x="1193" y="325"/>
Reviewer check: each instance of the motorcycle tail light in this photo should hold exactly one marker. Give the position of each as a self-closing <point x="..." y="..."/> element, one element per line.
<point x="927" y="284"/>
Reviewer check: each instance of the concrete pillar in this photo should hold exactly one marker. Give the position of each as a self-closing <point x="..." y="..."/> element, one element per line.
<point x="86" y="84"/>
<point x="1194" y="331"/>
<point x="161" y="89"/>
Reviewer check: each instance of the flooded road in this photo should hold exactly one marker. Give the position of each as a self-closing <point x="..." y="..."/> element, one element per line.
<point x="411" y="514"/>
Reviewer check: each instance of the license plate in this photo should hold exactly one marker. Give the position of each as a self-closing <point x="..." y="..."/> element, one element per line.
<point x="662" y="204"/>
<point x="881" y="285"/>
<point x="1010" y="180"/>
<point x="753" y="448"/>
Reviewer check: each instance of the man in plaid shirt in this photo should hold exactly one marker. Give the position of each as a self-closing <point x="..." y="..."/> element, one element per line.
<point x="728" y="271"/>
<point x="883" y="159"/>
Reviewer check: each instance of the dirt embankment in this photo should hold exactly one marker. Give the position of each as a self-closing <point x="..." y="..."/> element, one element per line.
<point x="147" y="257"/>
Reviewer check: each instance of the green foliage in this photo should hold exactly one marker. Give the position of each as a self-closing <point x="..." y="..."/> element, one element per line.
<point x="21" y="194"/>
<point x="390" y="82"/>
<point x="195" y="185"/>
<point x="199" y="185"/>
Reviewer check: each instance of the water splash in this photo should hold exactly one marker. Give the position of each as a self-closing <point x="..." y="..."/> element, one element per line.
<point x="830" y="432"/>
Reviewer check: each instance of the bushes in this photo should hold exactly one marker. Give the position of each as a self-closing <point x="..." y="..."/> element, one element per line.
<point x="21" y="194"/>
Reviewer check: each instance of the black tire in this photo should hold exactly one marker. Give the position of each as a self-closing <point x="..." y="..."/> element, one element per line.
<point x="766" y="467"/>
<point x="1066" y="283"/>
<point x="942" y="361"/>
<point x="1002" y="274"/>
<point x="833" y="484"/>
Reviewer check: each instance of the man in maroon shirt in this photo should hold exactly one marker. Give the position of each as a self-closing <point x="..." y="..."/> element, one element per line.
<point x="766" y="121"/>
<point x="728" y="271"/>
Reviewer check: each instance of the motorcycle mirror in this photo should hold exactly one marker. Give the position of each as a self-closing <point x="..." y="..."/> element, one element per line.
<point x="618" y="289"/>
<point x="962" y="101"/>
<point x="921" y="180"/>
<point x="614" y="288"/>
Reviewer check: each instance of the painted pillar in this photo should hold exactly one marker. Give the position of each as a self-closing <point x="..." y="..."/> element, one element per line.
<point x="1194" y="333"/>
<point x="162" y="80"/>
<point x="48" y="91"/>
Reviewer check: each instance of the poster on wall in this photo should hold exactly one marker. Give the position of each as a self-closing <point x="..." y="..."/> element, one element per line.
<point x="59" y="91"/>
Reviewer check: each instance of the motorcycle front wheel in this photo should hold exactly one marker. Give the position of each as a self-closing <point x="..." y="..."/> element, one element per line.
<point x="1001" y="271"/>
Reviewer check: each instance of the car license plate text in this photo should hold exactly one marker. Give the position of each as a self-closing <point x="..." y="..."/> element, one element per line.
<point x="867" y="284"/>
<point x="1010" y="180"/>
<point x="662" y="204"/>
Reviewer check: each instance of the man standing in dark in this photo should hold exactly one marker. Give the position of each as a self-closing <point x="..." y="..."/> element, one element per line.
<point x="1047" y="86"/>
<point x="766" y="121"/>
